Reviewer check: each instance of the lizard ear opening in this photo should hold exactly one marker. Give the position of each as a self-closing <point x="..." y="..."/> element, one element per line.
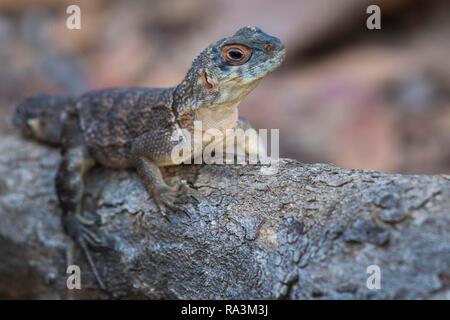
<point x="205" y="82"/>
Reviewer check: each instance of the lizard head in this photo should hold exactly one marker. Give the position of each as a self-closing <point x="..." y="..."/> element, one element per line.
<point x="226" y="71"/>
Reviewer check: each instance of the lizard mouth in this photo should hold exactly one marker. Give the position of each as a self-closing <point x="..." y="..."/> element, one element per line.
<point x="273" y="63"/>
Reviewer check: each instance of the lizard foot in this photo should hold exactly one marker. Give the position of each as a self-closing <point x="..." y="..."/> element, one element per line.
<point x="185" y="190"/>
<point x="167" y="198"/>
<point x="77" y="228"/>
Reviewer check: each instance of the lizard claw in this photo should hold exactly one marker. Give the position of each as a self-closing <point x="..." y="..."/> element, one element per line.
<point x="77" y="228"/>
<point x="184" y="189"/>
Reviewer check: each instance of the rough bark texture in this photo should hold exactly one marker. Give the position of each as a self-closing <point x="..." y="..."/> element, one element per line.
<point x="309" y="231"/>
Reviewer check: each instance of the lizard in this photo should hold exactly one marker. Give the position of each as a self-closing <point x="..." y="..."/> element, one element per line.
<point x="133" y="127"/>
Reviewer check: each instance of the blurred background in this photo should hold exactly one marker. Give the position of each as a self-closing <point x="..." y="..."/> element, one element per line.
<point x="359" y="98"/>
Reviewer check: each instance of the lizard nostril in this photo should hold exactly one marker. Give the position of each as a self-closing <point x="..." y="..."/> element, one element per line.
<point x="269" y="47"/>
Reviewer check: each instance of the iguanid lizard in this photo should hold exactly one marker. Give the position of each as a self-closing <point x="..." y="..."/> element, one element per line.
<point x="133" y="127"/>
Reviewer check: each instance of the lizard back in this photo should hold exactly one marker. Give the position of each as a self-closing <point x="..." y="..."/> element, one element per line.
<point x="111" y="119"/>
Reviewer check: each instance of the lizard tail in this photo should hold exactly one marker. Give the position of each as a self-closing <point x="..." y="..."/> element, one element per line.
<point x="42" y="117"/>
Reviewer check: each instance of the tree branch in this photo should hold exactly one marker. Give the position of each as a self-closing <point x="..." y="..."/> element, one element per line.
<point x="309" y="231"/>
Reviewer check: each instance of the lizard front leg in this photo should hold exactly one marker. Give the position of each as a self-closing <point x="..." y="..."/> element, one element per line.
<point x="150" y="151"/>
<point x="164" y="195"/>
<point x="252" y="146"/>
<point x="256" y="150"/>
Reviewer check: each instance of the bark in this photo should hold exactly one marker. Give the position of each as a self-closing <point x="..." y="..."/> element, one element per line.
<point x="309" y="231"/>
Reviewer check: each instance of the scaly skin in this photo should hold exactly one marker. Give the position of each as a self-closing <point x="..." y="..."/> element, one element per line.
<point x="133" y="127"/>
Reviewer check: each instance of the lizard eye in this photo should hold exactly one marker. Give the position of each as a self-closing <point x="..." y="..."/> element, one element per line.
<point x="236" y="54"/>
